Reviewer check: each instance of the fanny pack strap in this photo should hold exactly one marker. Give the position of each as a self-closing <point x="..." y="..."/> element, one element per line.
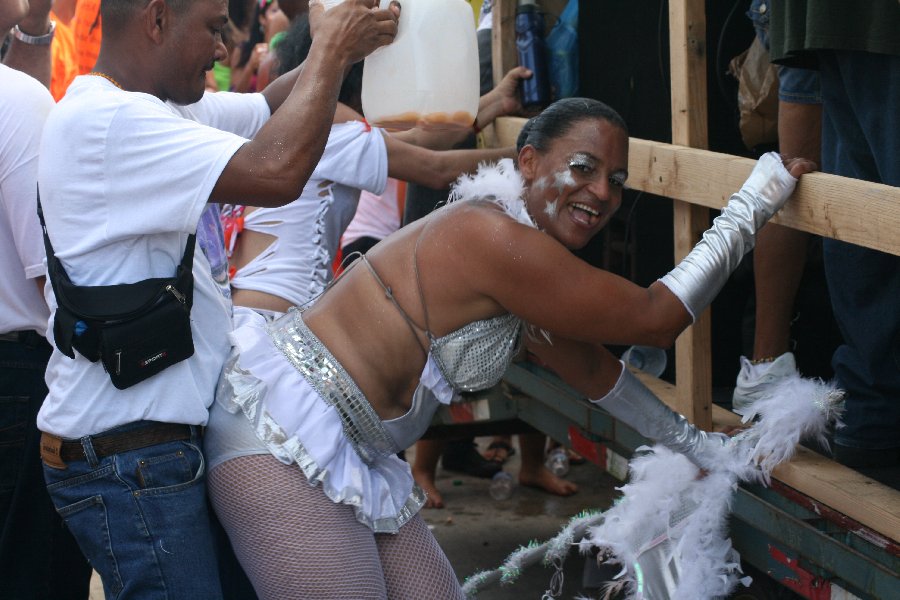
<point x="183" y="283"/>
<point x="183" y="275"/>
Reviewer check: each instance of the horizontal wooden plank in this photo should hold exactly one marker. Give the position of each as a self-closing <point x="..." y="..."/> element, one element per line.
<point x="860" y="212"/>
<point x="848" y="492"/>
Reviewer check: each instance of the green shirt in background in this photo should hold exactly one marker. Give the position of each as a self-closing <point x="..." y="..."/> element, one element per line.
<point x="798" y="27"/>
<point x="222" y="75"/>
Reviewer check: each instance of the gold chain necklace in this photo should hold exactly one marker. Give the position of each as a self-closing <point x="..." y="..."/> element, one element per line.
<point x="108" y="78"/>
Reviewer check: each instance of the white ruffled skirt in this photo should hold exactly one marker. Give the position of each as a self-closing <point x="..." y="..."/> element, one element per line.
<point x="357" y="466"/>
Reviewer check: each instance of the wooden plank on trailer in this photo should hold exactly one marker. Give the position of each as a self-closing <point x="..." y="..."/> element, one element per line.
<point x="852" y="210"/>
<point x="847" y="491"/>
<point x="687" y="58"/>
<point x="503" y="38"/>
<point x="850" y="493"/>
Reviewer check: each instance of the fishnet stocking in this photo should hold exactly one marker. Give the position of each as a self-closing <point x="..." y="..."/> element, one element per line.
<point x="414" y="565"/>
<point x="296" y="544"/>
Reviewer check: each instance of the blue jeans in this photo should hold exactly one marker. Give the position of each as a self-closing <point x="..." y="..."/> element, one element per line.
<point x="795" y="85"/>
<point x="861" y="139"/>
<point x="39" y="559"/>
<point x="141" y="518"/>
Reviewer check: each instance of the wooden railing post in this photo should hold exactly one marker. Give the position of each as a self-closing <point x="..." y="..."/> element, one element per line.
<point x="687" y="57"/>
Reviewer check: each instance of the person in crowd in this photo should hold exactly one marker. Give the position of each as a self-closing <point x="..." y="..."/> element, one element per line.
<point x="856" y="49"/>
<point x="313" y="407"/>
<point x="39" y="559"/>
<point x="284" y="256"/>
<point x="376" y="217"/>
<point x="268" y="21"/>
<point x="129" y="159"/>
<point x="88" y="32"/>
<point x="64" y="61"/>
<point x="461" y="454"/>
<point x="780" y="254"/>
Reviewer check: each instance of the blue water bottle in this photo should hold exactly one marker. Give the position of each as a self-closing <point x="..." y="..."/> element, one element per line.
<point x="532" y="51"/>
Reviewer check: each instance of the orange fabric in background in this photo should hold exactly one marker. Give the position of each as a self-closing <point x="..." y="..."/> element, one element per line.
<point x="401" y="198"/>
<point x="87" y="29"/>
<point x="64" y="60"/>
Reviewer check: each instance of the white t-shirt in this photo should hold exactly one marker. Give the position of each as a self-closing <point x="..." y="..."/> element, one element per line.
<point x="124" y="178"/>
<point x="24" y="105"/>
<point x="298" y="264"/>
<point x="376" y="216"/>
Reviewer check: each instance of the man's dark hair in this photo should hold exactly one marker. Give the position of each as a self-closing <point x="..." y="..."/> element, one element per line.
<point x="116" y="13"/>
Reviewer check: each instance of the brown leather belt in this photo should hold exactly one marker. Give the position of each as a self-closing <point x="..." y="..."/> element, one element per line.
<point x="56" y="451"/>
<point x="29" y="339"/>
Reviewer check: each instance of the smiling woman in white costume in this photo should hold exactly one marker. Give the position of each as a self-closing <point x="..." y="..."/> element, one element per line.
<point x="313" y="406"/>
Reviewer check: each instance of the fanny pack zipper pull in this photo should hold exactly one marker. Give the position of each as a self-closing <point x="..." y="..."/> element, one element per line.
<point x="178" y="295"/>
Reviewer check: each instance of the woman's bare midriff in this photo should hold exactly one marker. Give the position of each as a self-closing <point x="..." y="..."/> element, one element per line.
<point x="261" y="300"/>
<point x="366" y="333"/>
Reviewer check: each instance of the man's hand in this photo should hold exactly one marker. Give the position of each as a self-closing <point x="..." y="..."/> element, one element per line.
<point x="506" y="95"/>
<point x="798" y="166"/>
<point x="37" y="21"/>
<point x="30" y="58"/>
<point x="354" y="28"/>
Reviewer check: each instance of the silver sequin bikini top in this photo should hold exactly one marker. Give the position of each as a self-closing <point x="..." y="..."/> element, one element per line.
<point x="475" y="356"/>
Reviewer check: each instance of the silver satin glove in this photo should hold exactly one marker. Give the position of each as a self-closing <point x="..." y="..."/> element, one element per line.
<point x="698" y="278"/>
<point x="632" y="403"/>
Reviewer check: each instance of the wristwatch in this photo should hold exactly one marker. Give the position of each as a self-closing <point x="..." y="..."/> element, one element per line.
<point x="34" y="40"/>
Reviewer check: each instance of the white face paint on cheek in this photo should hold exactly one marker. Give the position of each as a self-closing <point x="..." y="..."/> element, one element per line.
<point x="550" y="209"/>
<point x="541" y="184"/>
<point x="563" y="179"/>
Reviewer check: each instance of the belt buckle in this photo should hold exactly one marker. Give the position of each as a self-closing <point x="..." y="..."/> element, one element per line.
<point x="51" y="447"/>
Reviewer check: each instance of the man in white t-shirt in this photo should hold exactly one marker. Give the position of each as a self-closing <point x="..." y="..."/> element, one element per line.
<point x="129" y="159"/>
<point x="39" y="559"/>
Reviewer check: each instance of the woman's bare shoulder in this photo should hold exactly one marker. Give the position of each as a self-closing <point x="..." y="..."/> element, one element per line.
<point x="477" y="214"/>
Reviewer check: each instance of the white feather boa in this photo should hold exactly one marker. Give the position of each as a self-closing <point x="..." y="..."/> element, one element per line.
<point x="669" y="529"/>
<point x="500" y="183"/>
<point x="672" y="521"/>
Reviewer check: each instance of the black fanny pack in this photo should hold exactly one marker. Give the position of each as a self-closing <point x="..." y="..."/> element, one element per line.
<point x="135" y="329"/>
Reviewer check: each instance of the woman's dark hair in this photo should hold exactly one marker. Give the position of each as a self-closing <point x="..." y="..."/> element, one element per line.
<point x="257" y="36"/>
<point x="238" y="13"/>
<point x="557" y="119"/>
<point x="293" y="49"/>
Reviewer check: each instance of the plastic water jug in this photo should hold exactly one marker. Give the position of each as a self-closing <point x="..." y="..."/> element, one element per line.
<point x="428" y="76"/>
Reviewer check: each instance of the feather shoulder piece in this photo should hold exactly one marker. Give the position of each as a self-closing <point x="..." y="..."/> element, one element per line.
<point x="500" y="183"/>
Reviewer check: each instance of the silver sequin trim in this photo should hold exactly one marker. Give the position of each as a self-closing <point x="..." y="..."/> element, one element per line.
<point x="327" y="376"/>
<point x="476" y="356"/>
<point x="241" y="389"/>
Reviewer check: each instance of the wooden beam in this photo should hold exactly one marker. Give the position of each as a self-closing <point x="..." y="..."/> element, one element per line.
<point x="848" y="492"/>
<point x="506" y="130"/>
<point x="503" y="38"/>
<point x="687" y="59"/>
<point x="852" y="210"/>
